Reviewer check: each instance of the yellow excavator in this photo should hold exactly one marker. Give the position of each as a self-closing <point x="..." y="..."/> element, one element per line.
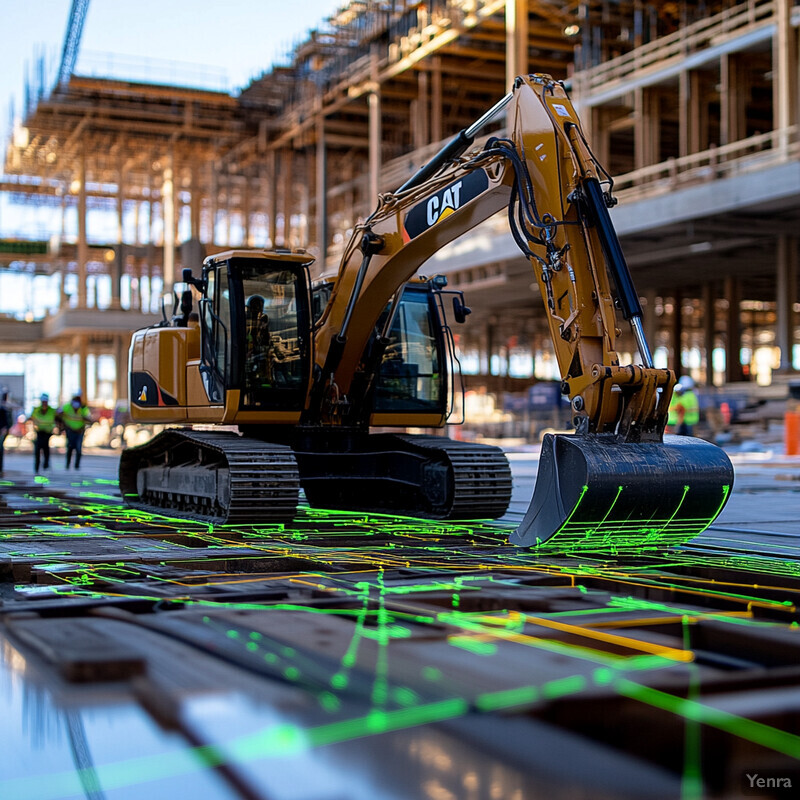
<point x="278" y="384"/>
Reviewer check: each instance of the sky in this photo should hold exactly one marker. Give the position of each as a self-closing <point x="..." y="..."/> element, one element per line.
<point x="235" y="38"/>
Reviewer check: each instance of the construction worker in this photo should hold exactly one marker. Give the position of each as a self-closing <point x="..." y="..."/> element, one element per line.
<point x="44" y="420"/>
<point x="75" y="417"/>
<point x="684" y="408"/>
<point x="6" y="421"/>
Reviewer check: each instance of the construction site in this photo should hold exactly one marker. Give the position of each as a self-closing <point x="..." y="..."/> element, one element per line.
<point x="530" y="226"/>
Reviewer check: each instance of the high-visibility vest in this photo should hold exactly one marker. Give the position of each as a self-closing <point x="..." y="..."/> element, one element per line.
<point x="75" y="420"/>
<point x="685" y="408"/>
<point x="44" y="420"/>
<point x="691" y="407"/>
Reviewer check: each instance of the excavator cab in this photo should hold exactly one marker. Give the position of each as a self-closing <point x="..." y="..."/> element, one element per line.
<point x="256" y="329"/>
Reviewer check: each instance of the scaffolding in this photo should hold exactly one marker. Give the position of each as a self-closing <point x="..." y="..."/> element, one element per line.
<point x="677" y="98"/>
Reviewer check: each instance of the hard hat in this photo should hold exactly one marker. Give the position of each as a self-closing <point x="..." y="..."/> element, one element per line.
<point x="686" y="382"/>
<point x="45" y="398"/>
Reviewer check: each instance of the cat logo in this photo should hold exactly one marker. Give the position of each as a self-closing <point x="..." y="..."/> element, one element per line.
<point x="147" y="393"/>
<point x="444" y="206"/>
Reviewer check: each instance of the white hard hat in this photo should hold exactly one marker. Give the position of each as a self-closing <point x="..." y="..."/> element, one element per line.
<point x="686" y="382"/>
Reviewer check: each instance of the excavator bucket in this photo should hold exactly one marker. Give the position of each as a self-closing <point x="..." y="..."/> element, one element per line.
<point x="596" y="493"/>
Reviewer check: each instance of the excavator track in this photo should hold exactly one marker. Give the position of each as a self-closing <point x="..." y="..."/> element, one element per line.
<point x="422" y="476"/>
<point x="481" y="476"/>
<point x="213" y="477"/>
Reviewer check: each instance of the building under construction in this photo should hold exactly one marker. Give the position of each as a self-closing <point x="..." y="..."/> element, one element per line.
<point x="692" y="107"/>
<point x="183" y="621"/>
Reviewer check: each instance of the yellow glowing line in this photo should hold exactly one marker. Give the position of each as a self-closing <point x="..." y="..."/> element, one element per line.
<point x="671" y="653"/>
<point x="712" y="582"/>
<point x="615" y="577"/>
<point x="630" y="623"/>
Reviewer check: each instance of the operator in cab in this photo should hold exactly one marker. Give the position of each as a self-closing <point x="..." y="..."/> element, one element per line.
<point x="262" y="351"/>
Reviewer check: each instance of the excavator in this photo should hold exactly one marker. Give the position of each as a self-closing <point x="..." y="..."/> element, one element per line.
<point x="276" y="383"/>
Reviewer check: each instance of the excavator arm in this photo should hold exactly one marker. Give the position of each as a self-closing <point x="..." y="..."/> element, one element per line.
<point x="546" y="177"/>
<point x="617" y="476"/>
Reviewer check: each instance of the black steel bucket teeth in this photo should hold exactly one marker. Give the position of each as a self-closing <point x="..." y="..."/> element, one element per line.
<point x="597" y="493"/>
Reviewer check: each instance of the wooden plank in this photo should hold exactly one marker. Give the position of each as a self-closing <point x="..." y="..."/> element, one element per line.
<point x="82" y="650"/>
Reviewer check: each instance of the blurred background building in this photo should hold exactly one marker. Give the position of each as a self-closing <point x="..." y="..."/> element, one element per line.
<point x="692" y="107"/>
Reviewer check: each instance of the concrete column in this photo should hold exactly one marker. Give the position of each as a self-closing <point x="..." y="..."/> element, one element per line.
<point x="676" y="334"/>
<point x="121" y="360"/>
<point x="213" y="197"/>
<point x="692" y="115"/>
<point x="650" y="323"/>
<point x="287" y="169"/>
<point x="272" y="202"/>
<point x="709" y="328"/>
<point x="118" y="265"/>
<point x="733" y="367"/>
<point x="168" y="213"/>
<point x="60" y="399"/>
<point x="228" y="182"/>
<point x="420" y="117"/>
<point x="516" y="40"/>
<point x="645" y="129"/>
<point x="151" y="243"/>
<point x="374" y="105"/>
<point x="246" y="211"/>
<point x="784" y="70"/>
<point x="733" y="97"/>
<point x="322" y="194"/>
<point x="195" y="203"/>
<point x="598" y="133"/>
<point x="83" y="352"/>
<point x="63" y="263"/>
<point x="83" y="247"/>
<point x="137" y="218"/>
<point x="786" y="297"/>
<point x="147" y="270"/>
<point x="486" y="346"/>
<point x="684" y="97"/>
<point x="436" y="99"/>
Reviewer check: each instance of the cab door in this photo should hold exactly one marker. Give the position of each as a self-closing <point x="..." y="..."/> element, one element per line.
<point x="215" y="339"/>
<point x="272" y="354"/>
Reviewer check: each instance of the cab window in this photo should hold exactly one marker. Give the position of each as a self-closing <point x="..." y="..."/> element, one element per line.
<point x="275" y="334"/>
<point x="411" y="376"/>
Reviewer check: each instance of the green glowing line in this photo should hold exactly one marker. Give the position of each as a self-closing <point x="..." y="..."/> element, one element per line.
<point x="610" y="508"/>
<point x="741" y="727"/>
<point x="677" y="509"/>
<point x="725" y="492"/>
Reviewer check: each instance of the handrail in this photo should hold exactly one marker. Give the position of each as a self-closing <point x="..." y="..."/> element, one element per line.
<point x="692" y="38"/>
<point x="755" y="152"/>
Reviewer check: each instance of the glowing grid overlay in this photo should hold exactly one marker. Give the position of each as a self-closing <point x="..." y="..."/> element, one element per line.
<point x="392" y="578"/>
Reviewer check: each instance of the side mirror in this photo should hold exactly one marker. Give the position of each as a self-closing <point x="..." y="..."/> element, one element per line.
<point x="460" y="311"/>
<point x="199" y="283"/>
<point x="169" y="302"/>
